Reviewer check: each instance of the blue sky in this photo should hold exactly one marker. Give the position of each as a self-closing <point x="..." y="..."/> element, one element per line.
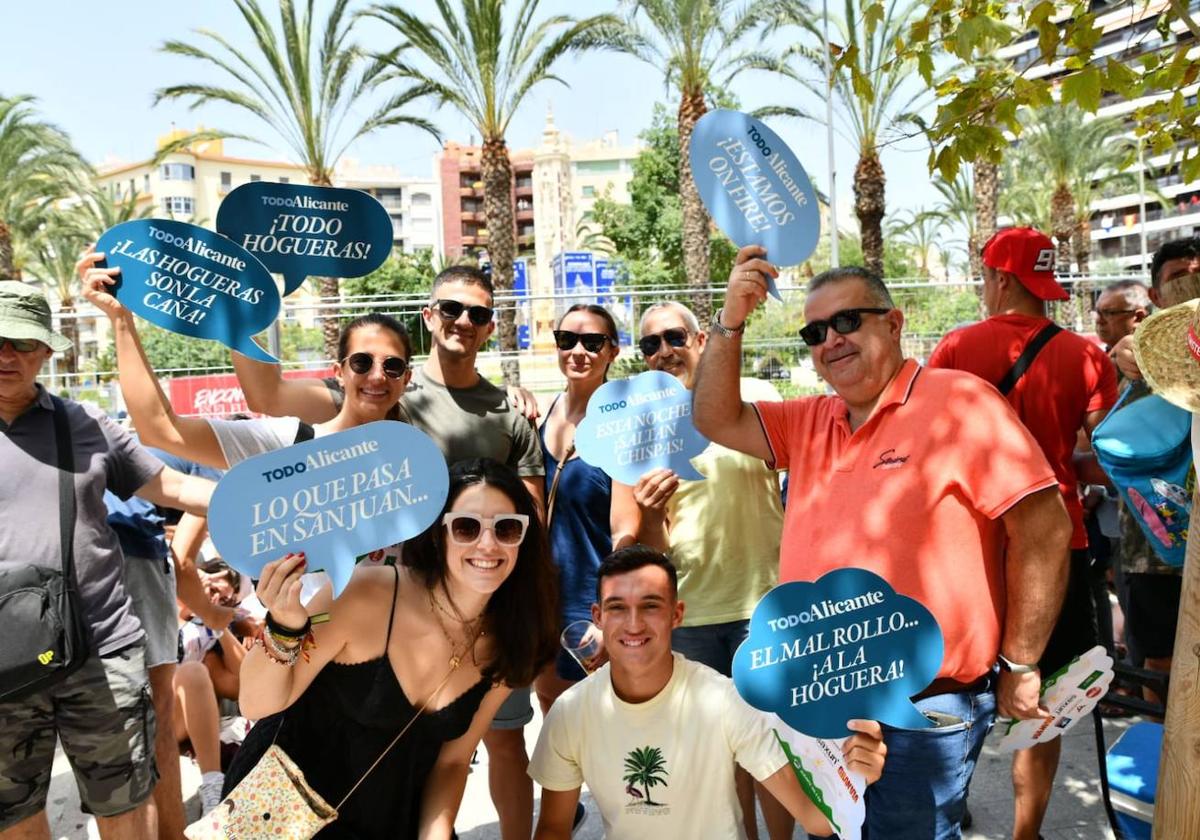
<point x="94" y="69"/>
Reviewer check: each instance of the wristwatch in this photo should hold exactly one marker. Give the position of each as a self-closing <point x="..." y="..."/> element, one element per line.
<point x="722" y="330"/>
<point x="1012" y="667"/>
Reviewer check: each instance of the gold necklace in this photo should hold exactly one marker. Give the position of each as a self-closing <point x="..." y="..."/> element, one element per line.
<point x="475" y="625"/>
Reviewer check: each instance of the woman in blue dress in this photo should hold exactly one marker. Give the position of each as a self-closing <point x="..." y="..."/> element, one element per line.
<point x="589" y="515"/>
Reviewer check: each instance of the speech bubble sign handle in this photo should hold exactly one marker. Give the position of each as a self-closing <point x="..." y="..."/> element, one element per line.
<point x="846" y="646"/>
<point x="300" y="231"/>
<point x="335" y="498"/>
<point x="192" y="281"/>
<point x="639" y="424"/>
<point x="755" y="188"/>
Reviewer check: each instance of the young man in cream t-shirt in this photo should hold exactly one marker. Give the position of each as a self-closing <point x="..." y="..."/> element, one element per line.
<point x="655" y="736"/>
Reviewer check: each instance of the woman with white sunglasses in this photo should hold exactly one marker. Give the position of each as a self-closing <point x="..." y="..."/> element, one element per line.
<point x="433" y="644"/>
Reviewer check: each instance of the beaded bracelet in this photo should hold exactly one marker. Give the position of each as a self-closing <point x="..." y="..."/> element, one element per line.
<point x="276" y="654"/>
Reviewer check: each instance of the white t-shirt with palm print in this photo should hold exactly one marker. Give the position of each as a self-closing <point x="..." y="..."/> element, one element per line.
<point x="663" y="768"/>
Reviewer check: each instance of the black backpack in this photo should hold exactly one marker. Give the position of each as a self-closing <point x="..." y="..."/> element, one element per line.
<point x="46" y="635"/>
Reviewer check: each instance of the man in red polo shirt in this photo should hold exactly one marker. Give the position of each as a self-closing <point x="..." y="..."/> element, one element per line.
<point x="1068" y="385"/>
<point x="925" y="477"/>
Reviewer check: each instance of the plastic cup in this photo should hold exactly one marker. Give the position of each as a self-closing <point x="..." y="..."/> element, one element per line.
<point x="584" y="641"/>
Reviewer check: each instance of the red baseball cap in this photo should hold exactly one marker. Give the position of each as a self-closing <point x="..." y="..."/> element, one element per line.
<point x="1029" y="255"/>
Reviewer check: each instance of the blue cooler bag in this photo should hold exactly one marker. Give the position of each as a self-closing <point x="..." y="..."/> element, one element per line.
<point x="1145" y="448"/>
<point x="1132" y="768"/>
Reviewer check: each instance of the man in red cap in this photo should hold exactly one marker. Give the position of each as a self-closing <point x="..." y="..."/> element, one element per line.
<point x="1059" y="383"/>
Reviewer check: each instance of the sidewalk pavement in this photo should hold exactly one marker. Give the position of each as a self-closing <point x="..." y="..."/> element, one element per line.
<point x="1076" y="808"/>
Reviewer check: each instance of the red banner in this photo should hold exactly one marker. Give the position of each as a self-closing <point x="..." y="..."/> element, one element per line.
<point x="219" y="394"/>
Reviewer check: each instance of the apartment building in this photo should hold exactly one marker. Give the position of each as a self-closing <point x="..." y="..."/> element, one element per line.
<point x="1122" y="225"/>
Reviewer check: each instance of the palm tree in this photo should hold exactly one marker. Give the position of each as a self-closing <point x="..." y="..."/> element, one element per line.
<point x="695" y="40"/>
<point x="870" y="95"/>
<point x="483" y="67"/>
<point x="38" y="165"/>
<point x="986" y="185"/>
<point x="918" y="229"/>
<point x="646" y="766"/>
<point x="1070" y="156"/>
<point x="307" y="85"/>
<point x="958" y="207"/>
<point x="53" y="252"/>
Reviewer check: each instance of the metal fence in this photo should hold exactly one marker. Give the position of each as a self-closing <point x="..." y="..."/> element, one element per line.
<point x="772" y="348"/>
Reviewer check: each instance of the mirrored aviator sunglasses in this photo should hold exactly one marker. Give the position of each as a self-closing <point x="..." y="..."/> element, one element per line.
<point x="843" y="323"/>
<point x="394" y="367"/>
<point x="450" y="310"/>
<point x="467" y="528"/>
<point x="592" y="342"/>
<point x="651" y="344"/>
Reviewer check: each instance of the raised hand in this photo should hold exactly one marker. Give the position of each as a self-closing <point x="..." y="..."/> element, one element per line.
<point x="279" y="590"/>
<point x="747" y="285"/>
<point x="95" y="282"/>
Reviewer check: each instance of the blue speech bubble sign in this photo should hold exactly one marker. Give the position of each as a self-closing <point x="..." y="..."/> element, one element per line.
<point x="754" y="187"/>
<point x="846" y="646"/>
<point x="640" y="424"/>
<point x="301" y="231"/>
<point x="192" y="281"/>
<point x="335" y="498"/>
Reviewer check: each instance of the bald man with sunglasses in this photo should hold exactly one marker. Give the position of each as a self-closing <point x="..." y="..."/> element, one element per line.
<point x="925" y="477"/>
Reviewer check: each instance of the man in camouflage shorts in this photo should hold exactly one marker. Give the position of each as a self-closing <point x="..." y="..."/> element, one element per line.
<point x="102" y="712"/>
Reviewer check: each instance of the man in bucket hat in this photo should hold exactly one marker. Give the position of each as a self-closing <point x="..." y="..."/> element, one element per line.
<point x="1067" y="384"/>
<point x="101" y="712"/>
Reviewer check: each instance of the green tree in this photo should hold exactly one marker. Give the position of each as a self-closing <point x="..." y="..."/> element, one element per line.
<point x="979" y="102"/>
<point x="308" y="85"/>
<point x="647" y="233"/>
<point x="1072" y="157"/>
<point x="38" y="166"/>
<point x="646" y="766"/>
<point x="960" y="208"/>
<point x="53" y="251"/>
<point x="694" y="40"/>
<point x="171" y="354"/>
<point x="403" y="276"/>
<point x="918" y="230"/>
<point x="869" y="86"/>
<point x="469" y="59"/>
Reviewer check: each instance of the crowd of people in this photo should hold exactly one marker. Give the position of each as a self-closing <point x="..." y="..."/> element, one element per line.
<point x="965" y="481"/>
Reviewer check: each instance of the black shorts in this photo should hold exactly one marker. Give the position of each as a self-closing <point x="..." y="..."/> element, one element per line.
<point x="1153" y="613"/>
<point x="1075" y="631"/>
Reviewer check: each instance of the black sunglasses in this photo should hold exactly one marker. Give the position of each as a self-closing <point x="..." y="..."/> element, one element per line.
<point x="394" y="367"/>
<point x="651" y="344"/>
<point x="843" y="323"/>
<point x="592" y="342"/>
<point x="451" y="309"/>
<point x="21" y="345"/>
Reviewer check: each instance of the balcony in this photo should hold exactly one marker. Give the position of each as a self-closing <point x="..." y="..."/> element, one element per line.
<point x="468" y="192"/>
<point x="480" y="239"/>
<point x="525" y="239"/>
<point x="472" y="216"/>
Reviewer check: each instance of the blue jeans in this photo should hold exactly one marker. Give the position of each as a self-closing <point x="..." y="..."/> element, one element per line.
<point x="711" y="644"/>
<point x="923" y="791"/>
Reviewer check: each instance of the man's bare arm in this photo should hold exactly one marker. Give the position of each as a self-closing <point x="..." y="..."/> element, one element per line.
<point x="718" y="410"/>
<point x="1037" y="566"/>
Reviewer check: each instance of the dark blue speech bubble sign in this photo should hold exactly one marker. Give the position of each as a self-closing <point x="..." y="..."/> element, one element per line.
<point x="754" y="187"/>
<point x="300" y="231"/>
<point x="335" y="498"/>
<point x="846" y="646"/>
<point x="640" y="424"/>
<point x="192" y="281"/>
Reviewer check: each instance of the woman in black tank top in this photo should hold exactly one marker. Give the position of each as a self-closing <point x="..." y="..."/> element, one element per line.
<point x="436" y="641"/>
